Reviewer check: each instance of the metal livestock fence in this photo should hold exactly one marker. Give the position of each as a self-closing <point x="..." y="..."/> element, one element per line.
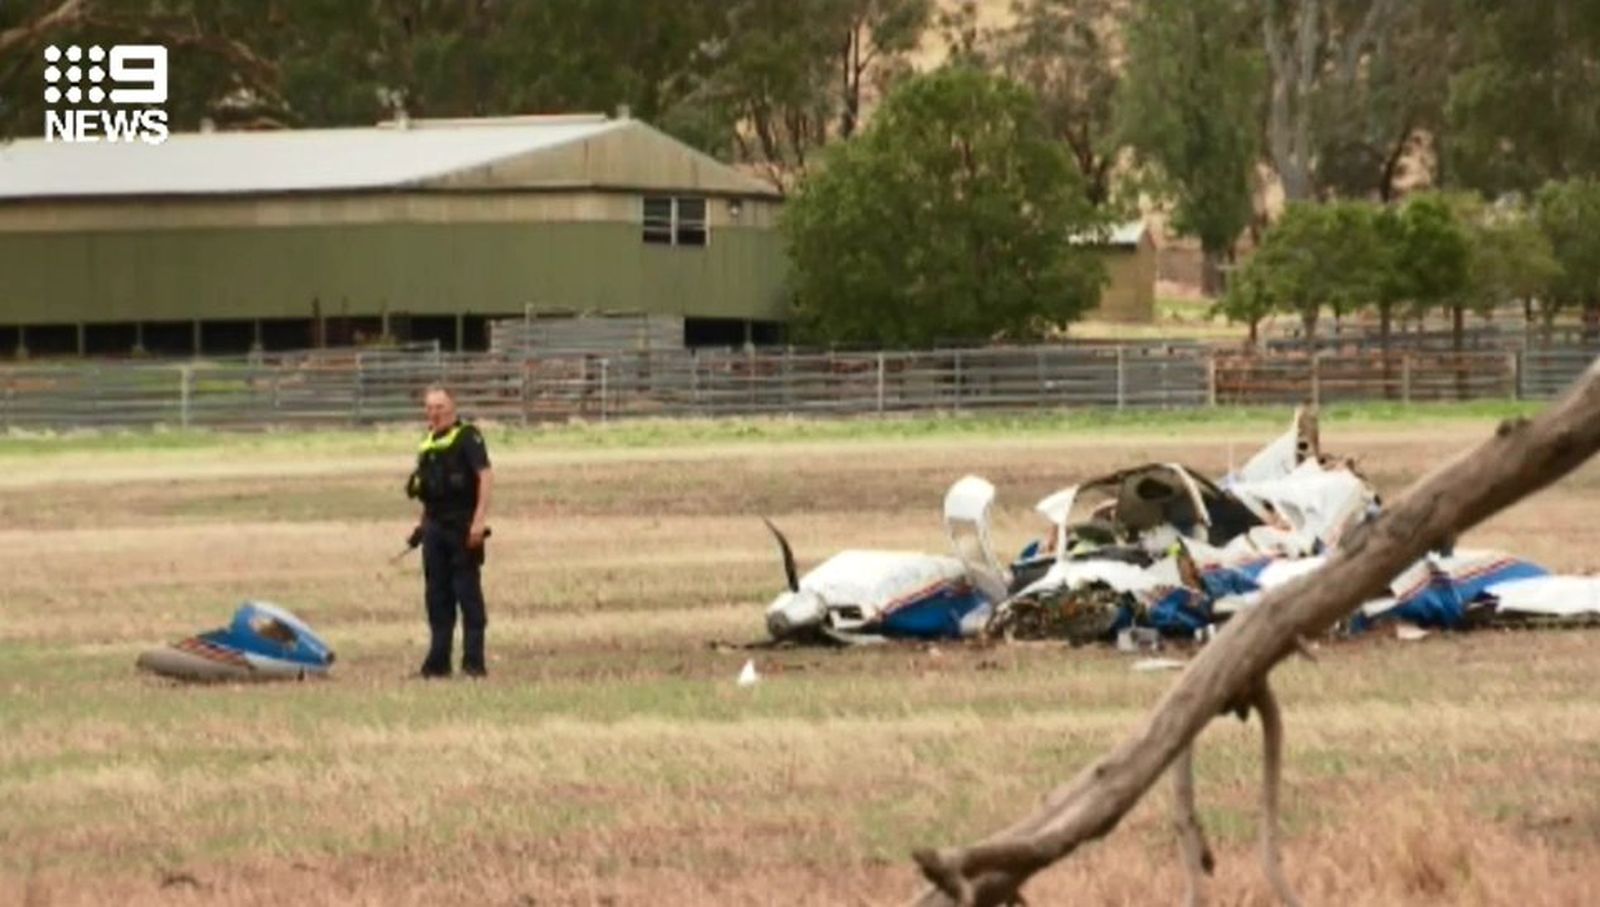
<point x="350" y="387"/>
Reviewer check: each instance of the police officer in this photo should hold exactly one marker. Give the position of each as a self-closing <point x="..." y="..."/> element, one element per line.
<point x="453" y="481"/>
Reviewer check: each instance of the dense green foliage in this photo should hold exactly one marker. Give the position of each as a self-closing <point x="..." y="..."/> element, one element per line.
<point x="1320" y="255"/>
<point x="1431" y="251"/>
<point x="1186" y="109"/>
<point x="1196" y="106"/>
<point x="1508" y="95"/>
<point x="1569" y="214"/>
<point x="950" y="218"/>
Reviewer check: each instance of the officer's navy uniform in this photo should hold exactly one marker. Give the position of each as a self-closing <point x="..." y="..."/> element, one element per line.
<point x="446" y="481"/>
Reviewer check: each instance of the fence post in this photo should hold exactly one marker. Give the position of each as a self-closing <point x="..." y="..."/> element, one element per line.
<point x="361" y="387"/>
<point x="880" y="382"/>
<point x="1514" y="366"/>
<point x="1316" y="379"/>
<point x="1405" y="378"/>
<point x="958" y="381"/>
<point x="694" y="383"/>
<point x="1211" y="379"/>
<point x="605" y="369"/>
<point x="1122" y="377"/>
<point x="788" y="381"/>
<point x="185" y="379"/>
<point x="522" y="386"/>
<point x="750" y="378"/>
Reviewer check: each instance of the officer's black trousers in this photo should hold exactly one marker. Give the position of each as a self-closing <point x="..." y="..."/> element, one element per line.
<point x="452" y="571"/>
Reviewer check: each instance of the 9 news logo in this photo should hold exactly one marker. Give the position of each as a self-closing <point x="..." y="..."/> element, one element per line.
<point x="106" y="96"/>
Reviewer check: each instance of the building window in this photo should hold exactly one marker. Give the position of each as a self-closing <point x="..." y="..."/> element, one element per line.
<point x="691" y="222"/>
<point x="658" y="220"/>
<point x="675" y="221"/>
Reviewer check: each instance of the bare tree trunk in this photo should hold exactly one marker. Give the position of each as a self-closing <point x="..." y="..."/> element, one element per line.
<point x="1387" y="190"/>
<point x="850" y="88"/>
<point x="1297" y="55"/>
<point x="1308" y="320"/>
<point x="1211" y="261"/>
<point x="1288" y="112"/>
<point x="1522" y="457"/>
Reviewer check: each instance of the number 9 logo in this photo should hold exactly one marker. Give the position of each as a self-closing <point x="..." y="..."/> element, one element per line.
<point x="149" y="69"/>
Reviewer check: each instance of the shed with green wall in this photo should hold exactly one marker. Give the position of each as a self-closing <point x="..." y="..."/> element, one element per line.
<point x="219" y="242"/>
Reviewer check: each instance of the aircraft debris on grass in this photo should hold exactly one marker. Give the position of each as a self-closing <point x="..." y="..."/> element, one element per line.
<point x="1162" y="547"/>
<point x="262" y="642"/>
<point x="869" y="595"/>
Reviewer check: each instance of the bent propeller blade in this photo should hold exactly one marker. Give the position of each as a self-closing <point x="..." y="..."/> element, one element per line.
<point x="789" y="569"/>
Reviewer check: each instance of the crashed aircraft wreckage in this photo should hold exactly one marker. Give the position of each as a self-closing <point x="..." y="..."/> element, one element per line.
<point x="262" y="642"/>
<point x="1157" y="546"/>
<point x="862" y="595"/>
<point x="1160" y="546"/>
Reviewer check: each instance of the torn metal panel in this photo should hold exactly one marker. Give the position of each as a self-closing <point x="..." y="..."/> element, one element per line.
<point x="1149" y="505"/>
<point x="1300" y="444"/>
<point x="966" y="520"/>
<point x="1449" y="591"/>
<point x="1549" y="596"/>
<point x="1318" y="504"/>
<point x="262" y="642"/>
<point x="1462" y="590"/>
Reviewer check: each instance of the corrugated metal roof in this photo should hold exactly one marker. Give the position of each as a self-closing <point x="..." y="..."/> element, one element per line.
<point x="300" y="160"/>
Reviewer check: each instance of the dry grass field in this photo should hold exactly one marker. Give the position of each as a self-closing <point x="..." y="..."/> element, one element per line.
<point x="610" y="759"/>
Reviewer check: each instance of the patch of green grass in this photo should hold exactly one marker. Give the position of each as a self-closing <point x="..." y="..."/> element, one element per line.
<point x="668" y="433"/>
<point x="1179" y="308"/>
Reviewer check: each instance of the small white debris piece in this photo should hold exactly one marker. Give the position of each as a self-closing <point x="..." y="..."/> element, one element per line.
<point x="1138" y="639"/>
<point x="748" y="676"/>
<point x="1146" y="665"/>
<point x="1409" y="632"/>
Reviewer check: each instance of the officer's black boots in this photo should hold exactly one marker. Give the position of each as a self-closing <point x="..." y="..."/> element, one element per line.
<point x="472" y="654"/>
<point x="437" y="664"/>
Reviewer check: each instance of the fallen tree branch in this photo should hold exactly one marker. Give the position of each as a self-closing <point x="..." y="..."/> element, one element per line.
<point x="1522" y="457"/>
<point x="1197" y="858"/>
<point x="1271" y="780"/>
